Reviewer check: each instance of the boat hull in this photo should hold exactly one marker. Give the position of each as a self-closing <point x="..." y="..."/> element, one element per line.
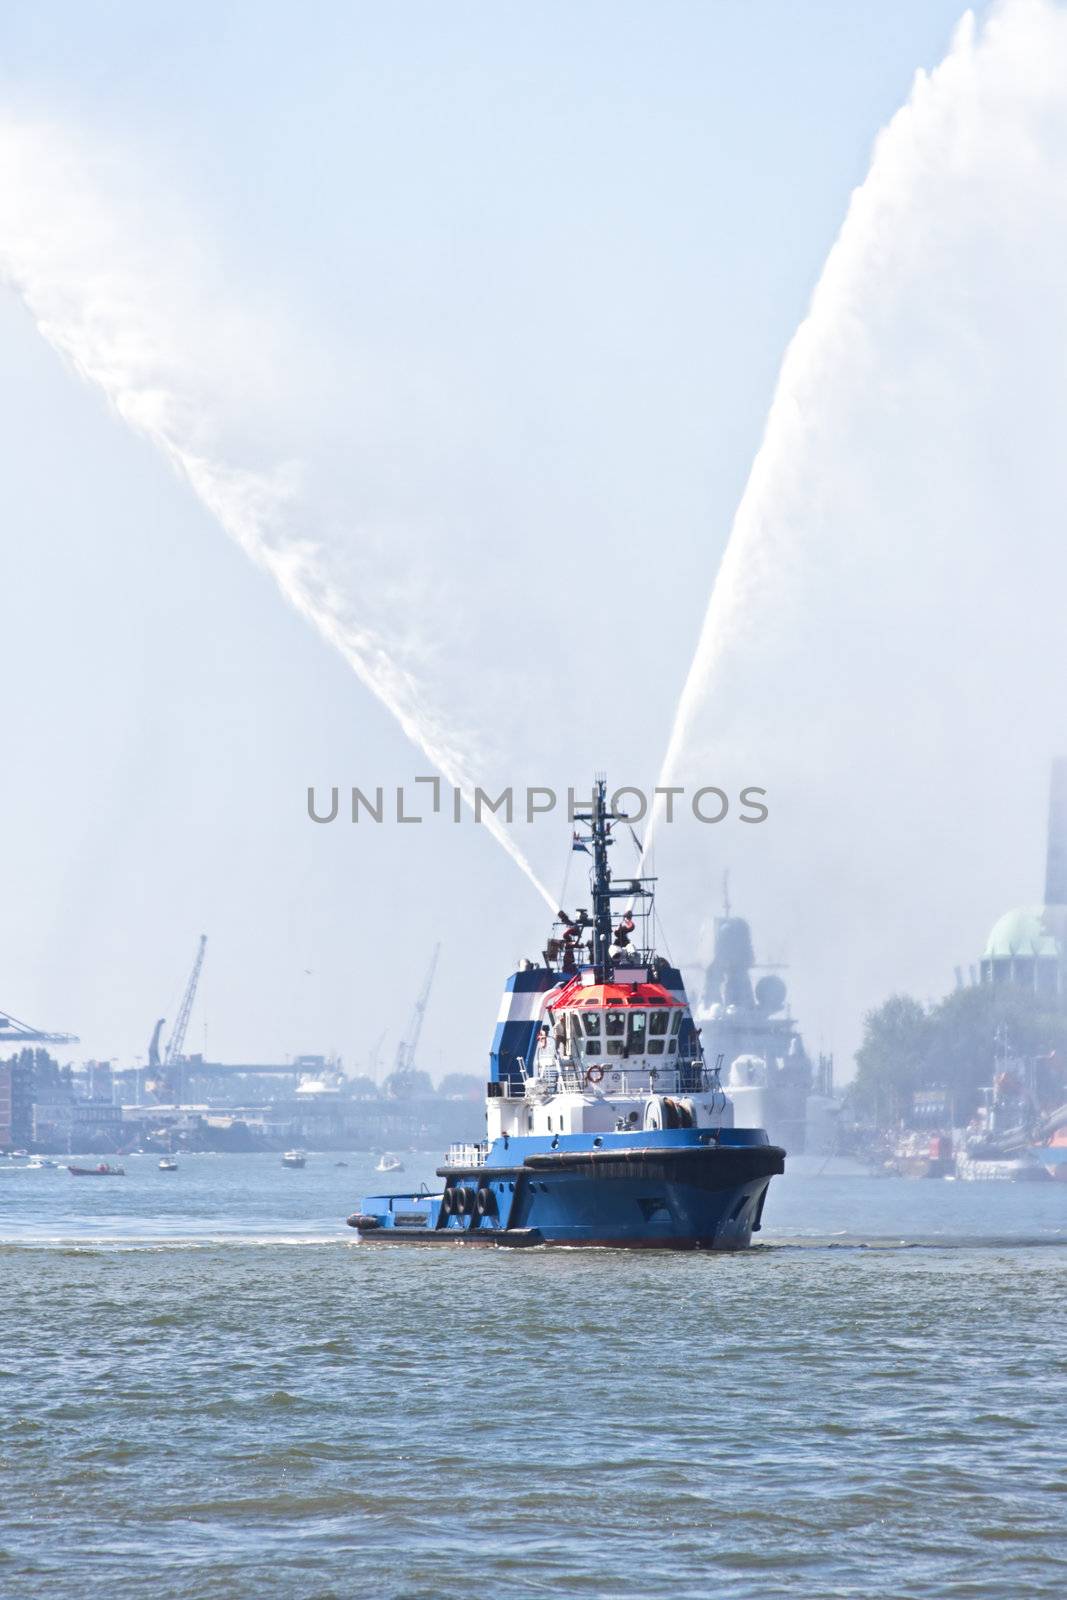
<point x="1052" y="1156"/>
<point x="689" y="1198"/>
<point x="1002" y="1169"/>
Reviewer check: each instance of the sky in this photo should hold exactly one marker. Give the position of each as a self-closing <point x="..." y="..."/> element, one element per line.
<point x="491" y="300"/>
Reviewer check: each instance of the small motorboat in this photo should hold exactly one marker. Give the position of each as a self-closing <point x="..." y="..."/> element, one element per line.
<point x="294" y="1158"/>
<point x="103" y="1169"/>
<point x="168" y="1164"/>
<point x="389" y="1163"/>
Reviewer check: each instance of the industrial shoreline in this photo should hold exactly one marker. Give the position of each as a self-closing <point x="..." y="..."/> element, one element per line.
<point x="988" y="1099"/>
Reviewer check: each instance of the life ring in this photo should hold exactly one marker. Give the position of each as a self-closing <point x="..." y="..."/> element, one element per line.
<point x="594" y="1074"/>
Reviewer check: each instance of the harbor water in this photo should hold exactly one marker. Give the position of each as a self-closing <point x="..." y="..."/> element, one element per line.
<point x="211" y="1388"/>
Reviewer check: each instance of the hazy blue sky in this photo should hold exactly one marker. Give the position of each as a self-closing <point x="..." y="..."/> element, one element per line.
<point x="538" y="265"/>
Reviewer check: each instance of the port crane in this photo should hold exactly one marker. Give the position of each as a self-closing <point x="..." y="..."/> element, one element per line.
<point x="376" y="1054"/>
<point x="406" y="1049"/>
<point x="172" y="1052"/>
<point x="22" y="1032"/>
<point x="176" y="1042"/>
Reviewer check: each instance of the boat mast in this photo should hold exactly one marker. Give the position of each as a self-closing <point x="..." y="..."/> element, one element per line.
<point x="601" y="885"/>
<point x="599" y="820"/>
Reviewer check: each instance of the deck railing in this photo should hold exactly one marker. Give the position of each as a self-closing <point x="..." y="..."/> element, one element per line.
<point x="565" y="1075"/>
<point x="466" y="1155"/>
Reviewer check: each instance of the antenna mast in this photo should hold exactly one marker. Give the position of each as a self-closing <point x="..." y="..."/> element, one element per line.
<point x="599" y="819"/>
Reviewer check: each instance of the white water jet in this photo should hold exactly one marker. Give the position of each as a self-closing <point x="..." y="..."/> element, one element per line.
<point x="885" y="646"/>
<point x="136" y="310"/>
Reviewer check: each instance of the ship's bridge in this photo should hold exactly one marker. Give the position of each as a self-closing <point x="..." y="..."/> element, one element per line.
<point x="610" y="1056"/>
<point x="616" y="1025"/>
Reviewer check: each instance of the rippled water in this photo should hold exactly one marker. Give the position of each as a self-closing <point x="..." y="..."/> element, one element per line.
<point x="211" y="1389"/>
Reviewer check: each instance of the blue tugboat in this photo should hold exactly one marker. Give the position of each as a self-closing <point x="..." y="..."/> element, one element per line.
<point x="604" y="1124"/>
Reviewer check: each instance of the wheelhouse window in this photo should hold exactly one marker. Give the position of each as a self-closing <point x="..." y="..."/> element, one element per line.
<point x="657" y="1023"/>
<point x="676" y="1022"/>
<point x="588" y="1042"/>
<point x="635" y="1032"/>
<point x="615" y="1027"/>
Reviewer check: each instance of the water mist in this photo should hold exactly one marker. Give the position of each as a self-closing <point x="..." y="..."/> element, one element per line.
<point x="137" y="310"/>
<point x="884" y="647"/>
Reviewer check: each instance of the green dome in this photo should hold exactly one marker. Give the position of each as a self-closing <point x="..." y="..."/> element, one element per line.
<point x="1022" y="932"/>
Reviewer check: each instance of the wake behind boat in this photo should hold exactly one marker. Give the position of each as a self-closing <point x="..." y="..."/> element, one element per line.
<point x="604" y="1124"/>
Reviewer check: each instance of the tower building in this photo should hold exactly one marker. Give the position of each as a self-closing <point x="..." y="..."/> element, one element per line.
<point x="1028" y="945"/>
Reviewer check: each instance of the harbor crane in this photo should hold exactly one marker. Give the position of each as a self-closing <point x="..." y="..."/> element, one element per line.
<point x="176" y="1042"/>
<point x="22" y="1032"/>
<point x="376" y="1054"/>
<point x="172" y="1053"/>
<point x="406" y="1049"/>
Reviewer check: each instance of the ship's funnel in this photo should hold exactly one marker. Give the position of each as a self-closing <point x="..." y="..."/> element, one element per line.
<point x="1056" y="859"/>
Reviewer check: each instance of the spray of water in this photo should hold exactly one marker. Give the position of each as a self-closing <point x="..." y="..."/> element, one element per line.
<point x="884" y="647"/>
<point x="136" y="309"/>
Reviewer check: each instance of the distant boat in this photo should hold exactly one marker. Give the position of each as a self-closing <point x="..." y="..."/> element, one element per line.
<point x="1053" y="1155"/>
<point x="1005" y="1169"/>
<point x="294" y="1158"/>
<point x="389" y="1163"/>
<point x="38" y="1163"/>
<point x="103" y="1170"/>
<point x="168" y="1164"/>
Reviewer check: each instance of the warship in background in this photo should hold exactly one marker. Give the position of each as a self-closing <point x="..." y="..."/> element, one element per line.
<point x="766" y="1070"/>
